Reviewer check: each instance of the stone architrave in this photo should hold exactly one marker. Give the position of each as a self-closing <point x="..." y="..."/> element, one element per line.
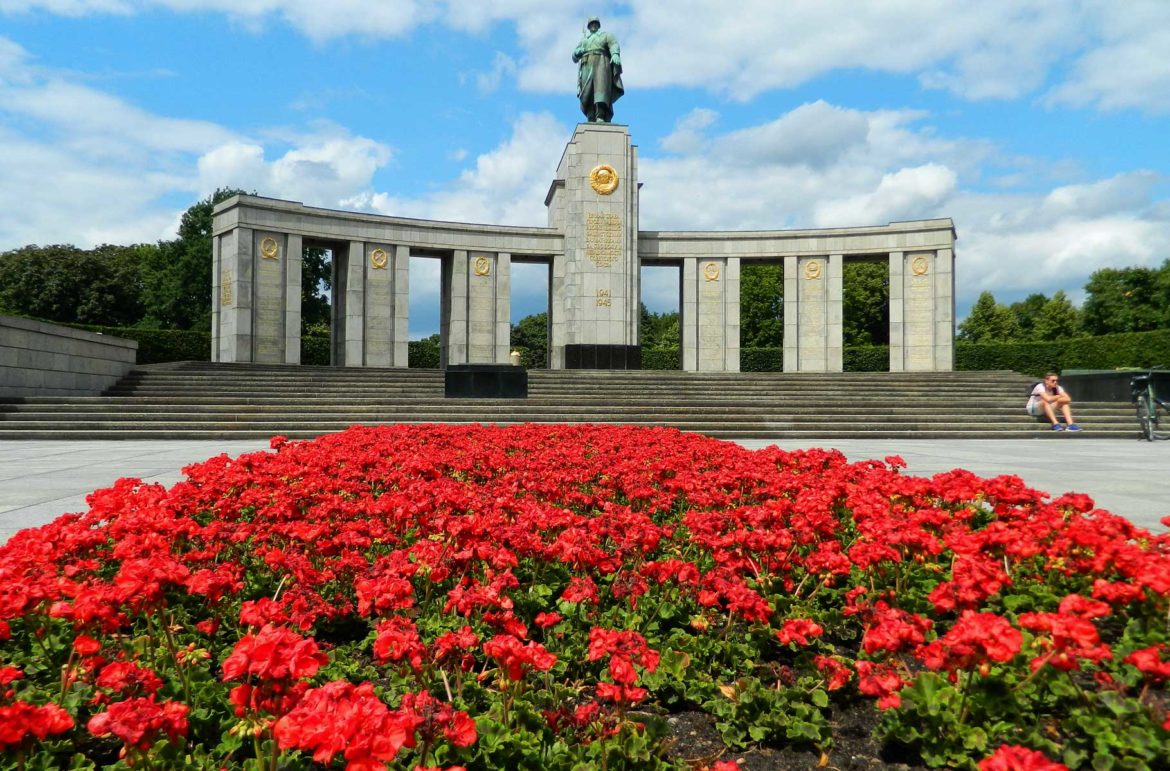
<point x="710" y="312"/>
<point x="813" y="328"/>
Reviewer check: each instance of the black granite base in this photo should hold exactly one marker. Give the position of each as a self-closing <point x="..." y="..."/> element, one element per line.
<point x="1108" y="385"/>
<point x="587" y="356"/>
<point x="485" y="381"/>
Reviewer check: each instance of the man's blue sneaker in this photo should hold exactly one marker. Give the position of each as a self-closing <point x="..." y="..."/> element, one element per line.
<point x="1058" y="427"/>
<point x="1073" y="427"/>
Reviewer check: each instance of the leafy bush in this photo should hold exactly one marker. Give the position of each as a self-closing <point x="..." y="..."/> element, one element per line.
<point x="423" y="354"/>
<point x="1130" y="349"/>
<point x="316" y="350"/>
<point x="545" y="596"/>
<point x="661" y="358"/>
<point x="161" y="345"/>
<point x="761" y="359"/>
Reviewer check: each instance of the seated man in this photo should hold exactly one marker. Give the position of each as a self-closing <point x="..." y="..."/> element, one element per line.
<point x="1046" y="398"/>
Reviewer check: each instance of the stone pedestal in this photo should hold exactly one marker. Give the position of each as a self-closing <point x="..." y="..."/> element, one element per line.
<point x="594" y="200"/>
<point x="485" y="381"/>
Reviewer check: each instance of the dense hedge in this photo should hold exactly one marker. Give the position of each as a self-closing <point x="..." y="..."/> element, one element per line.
<point x="1131" y="349"/>
<point x="532" y="358"/>
<point x="661" y="358"/>
<point x="315" y="350"/>
<point x="159" y="345"/>
<point x="423" y="354"/>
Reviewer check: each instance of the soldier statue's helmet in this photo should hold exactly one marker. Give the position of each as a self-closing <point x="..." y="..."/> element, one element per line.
<point x="593" y="20"/>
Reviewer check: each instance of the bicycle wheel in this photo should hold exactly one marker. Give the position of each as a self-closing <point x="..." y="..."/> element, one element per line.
<point x="1160" y="421"/>
<point x="1145" y="422"/>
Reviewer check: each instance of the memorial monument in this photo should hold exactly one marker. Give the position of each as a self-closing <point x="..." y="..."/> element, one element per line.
<point x="594" y="249"/>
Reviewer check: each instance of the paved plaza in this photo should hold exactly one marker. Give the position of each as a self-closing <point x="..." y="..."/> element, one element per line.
<point x="40" y="480"/>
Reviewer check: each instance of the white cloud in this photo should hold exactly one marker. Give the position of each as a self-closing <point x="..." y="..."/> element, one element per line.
<point x="83" y="166"/>
<point x="507" y="185"/>
<point x="994" y="49"/>
<point x="1129" y="68"/>
<point x="502" y="66"/>
<point x="904" y="194"/>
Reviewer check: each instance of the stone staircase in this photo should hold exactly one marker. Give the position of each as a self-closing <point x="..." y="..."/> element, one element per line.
<point x="201" y="400"/>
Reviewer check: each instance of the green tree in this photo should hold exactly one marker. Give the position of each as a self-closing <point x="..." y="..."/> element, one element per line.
<point x="989" y="322"/>
<point x="761" y="305"/>
<point x="531" y="332"/>
<point x="1058" y="319"/>
<point x="316" y="286"/>
<point x="1124" y="300"/>
<point x="1027" y="311"/>
<point x="177" y="278"/>
<point x="659" y="330"/>
<point x="66" y="284"/>
<point x="866" y="303"/>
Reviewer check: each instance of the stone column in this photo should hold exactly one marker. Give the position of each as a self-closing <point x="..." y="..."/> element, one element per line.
<point x="710" y="315"/>
<point x="557" y="313"/>
<point x="922" y="311"/>
<point x="897" y="313"/>
<point x="944" y="310"/>
<point x="234" y="295"/>
<point x="813" y="329"/>
<point x="379" y="313"/>
<point x="292" y="300"/>
<point x="400" y="337"/>
<point x="688" y="317"/>
<point x="503" y="308"/>
<point x="454" y="304"/>
<point x="836" y="314"/>
<point x="355" y="306"/>
<point x="271" y="250"/>
<point x="488" y="298"/>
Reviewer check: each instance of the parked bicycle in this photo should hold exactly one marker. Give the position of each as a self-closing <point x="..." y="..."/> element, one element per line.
<point x="1153" y="412"/>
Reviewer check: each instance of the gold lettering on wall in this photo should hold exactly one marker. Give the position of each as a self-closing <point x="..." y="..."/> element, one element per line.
<point x="603" y="238"/>
<point x="604" y="298"/>
<point x="379" y="259"/>
<point x="269" y="249"/>
<point x="225" y="292"/>
<point x="482" y="266"/>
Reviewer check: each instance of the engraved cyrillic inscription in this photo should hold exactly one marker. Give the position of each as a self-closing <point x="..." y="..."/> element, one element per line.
<point x="603" y="238"/>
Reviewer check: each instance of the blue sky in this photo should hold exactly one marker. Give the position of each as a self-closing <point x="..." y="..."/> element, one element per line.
<point x="1039" y="126"/>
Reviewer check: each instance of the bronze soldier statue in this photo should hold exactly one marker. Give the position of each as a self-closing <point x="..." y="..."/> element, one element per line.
<point x="599" y="72"/>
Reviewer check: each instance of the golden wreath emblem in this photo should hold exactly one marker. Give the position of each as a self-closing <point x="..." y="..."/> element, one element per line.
<point x="379" y="259"/>
<point x="269" y="249"/>
<point x="812" y="270"/>
<point x="711" y="271"/>
<point x="919" y="266"/>
<point x="603" y="179"/>
<point x="483" y="266"/>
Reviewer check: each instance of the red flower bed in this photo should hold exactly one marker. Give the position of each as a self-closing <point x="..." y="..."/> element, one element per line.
<point x="547" y="596"/>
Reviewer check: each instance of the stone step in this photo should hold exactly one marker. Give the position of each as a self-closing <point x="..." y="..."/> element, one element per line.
<point x="202" y="400"/>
